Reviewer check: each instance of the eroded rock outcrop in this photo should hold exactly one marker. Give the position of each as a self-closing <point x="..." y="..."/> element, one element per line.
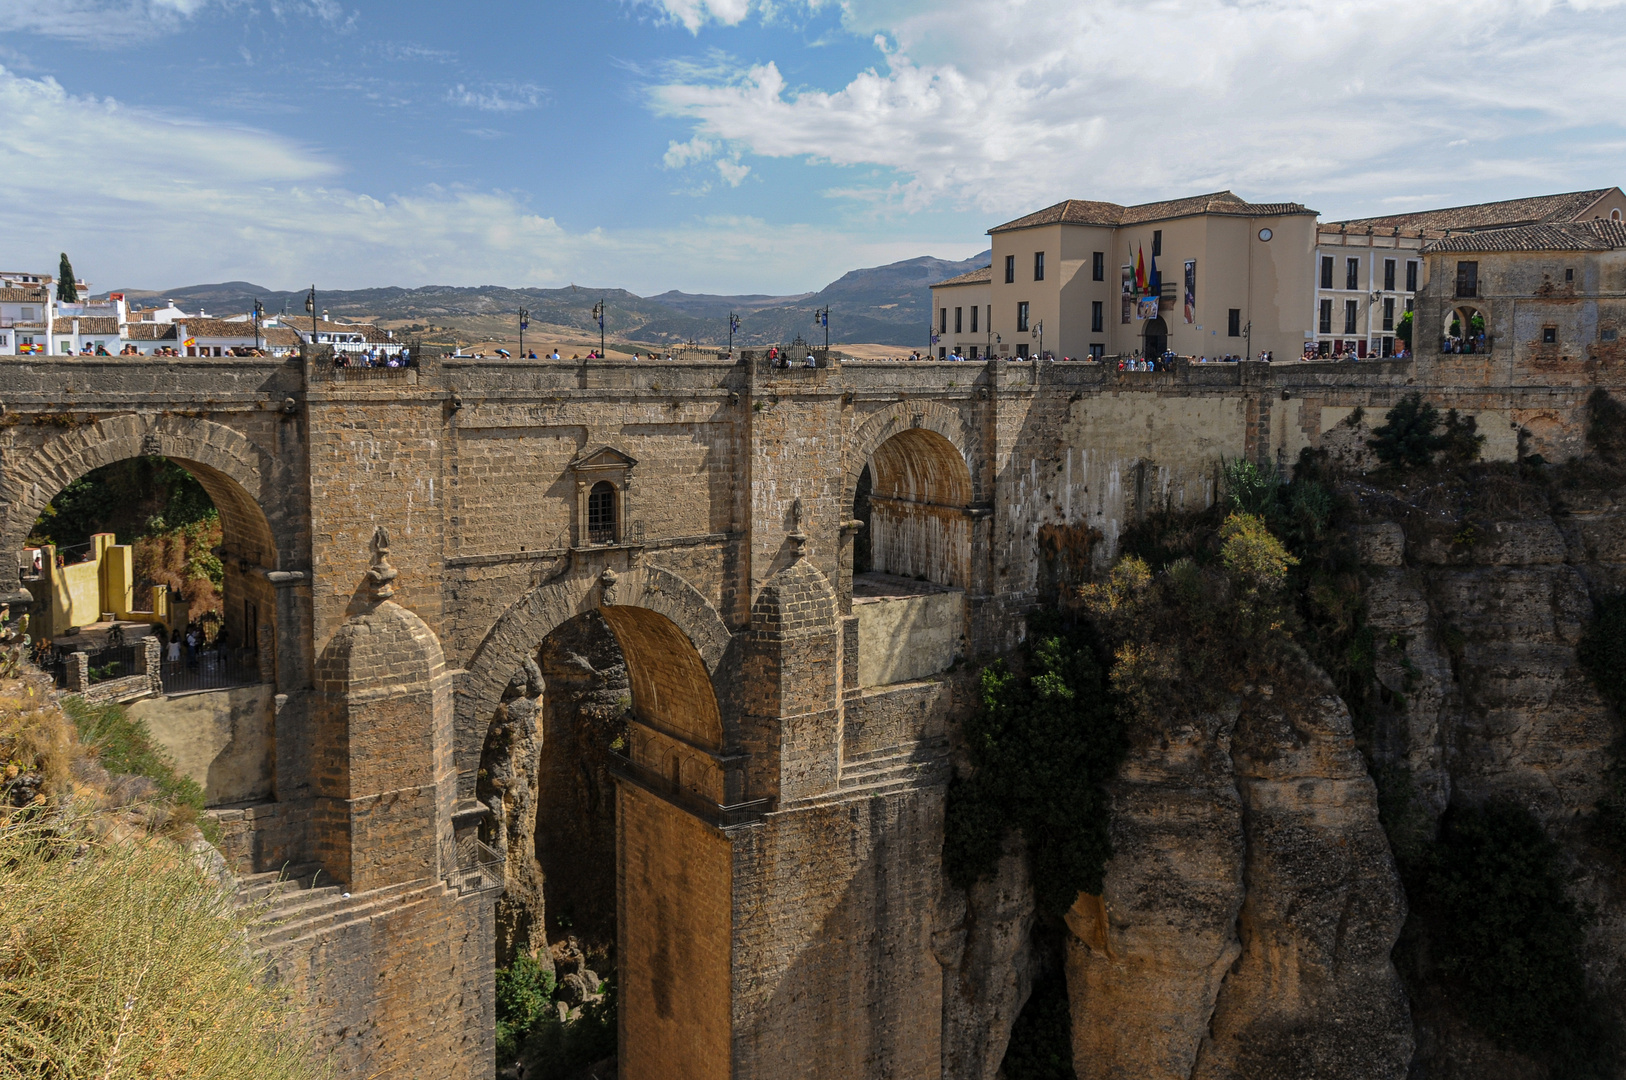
<point x="985" y="946"/>
<point x="1250" y="906"/>
<point x="1314" y="992"/>
<point x="1147" y="957"/>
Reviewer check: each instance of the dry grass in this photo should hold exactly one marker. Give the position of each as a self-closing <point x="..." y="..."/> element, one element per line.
<point x="122" y="960"/>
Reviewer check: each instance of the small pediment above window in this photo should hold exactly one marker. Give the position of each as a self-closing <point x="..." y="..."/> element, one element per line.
<point x="602" y="459"/>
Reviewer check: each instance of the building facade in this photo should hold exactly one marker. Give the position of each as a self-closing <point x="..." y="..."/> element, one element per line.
<point x="962" y="323"/>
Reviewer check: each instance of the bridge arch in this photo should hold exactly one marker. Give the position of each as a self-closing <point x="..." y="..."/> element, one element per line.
<point x="906" y="416"/>
<point x="673" y="638"/>
<point x="233" y="470"/>
<point x="918" y="495"/>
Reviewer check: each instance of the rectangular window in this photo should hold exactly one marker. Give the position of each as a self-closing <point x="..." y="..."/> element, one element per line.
<point x="973" y="354"/>
<point x="1467" y="279"/>
<point x="1010" y="269"/>
<point x="1549" y="335"/>
<point x="1097" y="351"/>
<point x="1326" y="317"/>
<point x="942" y="352"/>
<point x="1157" y="241"/>
<point x="1409" y="303"/>
<point x="1388" y="346"/>
<point x="29" y="314"/>
<point x="1098" y="267"/>
<point x="1389" y="275"/>
<point x="1233" y="323"/>
<point x="1352" y="273"/>
<point x="975" y="310"/>
<point x="1021" y="352"/>
<point x="1097" y="317"/>
<point x="1038" y="266"/>
<point x="1569" y="275"/>
<point x="1352" y="312"/>
<point x="1022" y="317"/>
<point x="1388" y="313"/>
<point x="1326" y="271"/>
<point x="942" y="320"/>
<point x="957" y="320"/>
<point x="1411" y="277"/>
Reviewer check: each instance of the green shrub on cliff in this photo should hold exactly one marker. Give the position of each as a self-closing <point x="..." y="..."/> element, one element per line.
<point x="530" y="1030"/>
<point x="1043" y="743"/>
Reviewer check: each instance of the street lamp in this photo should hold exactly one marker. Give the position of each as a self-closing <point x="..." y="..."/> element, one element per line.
<point x="733" y="325"/>
<point x="310" y="306"/>
<point x="1038" y="332"/>
<point x="822" y="318"/>
<point x="259" y="313"/>
<point x="598" y="316"/>
<point x="524" y="321"/>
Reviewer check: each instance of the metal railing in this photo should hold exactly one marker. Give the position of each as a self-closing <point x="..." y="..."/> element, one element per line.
<point x="210" y="670"/>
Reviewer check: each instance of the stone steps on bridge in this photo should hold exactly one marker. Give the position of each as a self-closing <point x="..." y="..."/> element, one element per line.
<point x="300" y="914"/>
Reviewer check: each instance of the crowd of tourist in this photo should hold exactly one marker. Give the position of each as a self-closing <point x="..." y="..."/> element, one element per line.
<point x="374" y="358"/>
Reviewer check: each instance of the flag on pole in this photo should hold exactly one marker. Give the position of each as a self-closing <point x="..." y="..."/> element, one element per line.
<point x="1140" y="269"/>
<point x="1154" y="281"/>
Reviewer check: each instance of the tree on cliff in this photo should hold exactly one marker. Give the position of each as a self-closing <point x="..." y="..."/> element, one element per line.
<point x="67" y="292"/>
<point x="1410" y="435"/>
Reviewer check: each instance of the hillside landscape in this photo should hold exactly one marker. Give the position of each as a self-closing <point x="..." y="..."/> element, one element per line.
<point x="883" y="305"/>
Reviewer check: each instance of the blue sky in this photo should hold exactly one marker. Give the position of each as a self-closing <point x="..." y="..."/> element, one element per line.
<point x="748" y="145"/>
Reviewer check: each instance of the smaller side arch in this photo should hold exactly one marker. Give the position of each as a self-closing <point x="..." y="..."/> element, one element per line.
<point x="904" y="416"/>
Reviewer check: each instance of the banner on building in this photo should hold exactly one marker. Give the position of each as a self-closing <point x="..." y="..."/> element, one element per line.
<point x="1129" y="293"/>
<point x="1148" y="308"/>
<point x="1191" y="290"/>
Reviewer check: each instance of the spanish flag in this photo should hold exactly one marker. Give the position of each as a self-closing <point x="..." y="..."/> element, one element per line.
<point x="1140" y="270"/>
<point x="189" y="342"/>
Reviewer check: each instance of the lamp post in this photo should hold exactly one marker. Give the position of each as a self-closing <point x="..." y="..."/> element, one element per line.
<point x="310" y="306"/>
<point x="822" y="317"/>
<point x="259" y="313"/>
<point x="524" y="321"/>
<point x="733" y="325"/>
<point x="1038" y="332"/>
<point x="598" y="316"/>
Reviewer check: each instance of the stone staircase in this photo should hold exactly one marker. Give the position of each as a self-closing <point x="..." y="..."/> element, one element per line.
<point x="893" y="768"/>
<point x="293" y="905"/>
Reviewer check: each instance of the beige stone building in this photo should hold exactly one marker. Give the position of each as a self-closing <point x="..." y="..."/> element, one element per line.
<point x="1369" y="270"/>
<point x="962" y="325"/>
<point x="1063" y="280"/>
<point x="1529" y="305"/>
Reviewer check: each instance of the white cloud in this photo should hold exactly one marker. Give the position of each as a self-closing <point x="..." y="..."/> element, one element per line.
<point x="501" y="97"/>
<point x="680" y="154"/>
<point x="100" y="21"/>
<point x="144" y="200"/>
<point x="733" y="172"/>
<point x="693" y="14"/>
<point x="1003" y="106"/>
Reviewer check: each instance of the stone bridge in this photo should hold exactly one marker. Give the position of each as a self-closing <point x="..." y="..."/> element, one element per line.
<point x="402" y="543"/>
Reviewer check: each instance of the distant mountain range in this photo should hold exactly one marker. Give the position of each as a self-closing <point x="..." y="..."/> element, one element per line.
<point x="885" y="305"/>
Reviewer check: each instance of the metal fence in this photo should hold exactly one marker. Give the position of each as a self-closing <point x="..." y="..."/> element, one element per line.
<point x="118" y="662"/>
<point x="210" y="670"/>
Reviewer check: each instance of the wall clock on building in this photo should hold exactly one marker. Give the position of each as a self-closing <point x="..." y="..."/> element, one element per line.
<point x="1264" y="234"/>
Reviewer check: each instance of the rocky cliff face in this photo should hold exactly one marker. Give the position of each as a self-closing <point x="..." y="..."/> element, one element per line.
<point x="1478" y="598"/>
<point x="1248" y="912"/>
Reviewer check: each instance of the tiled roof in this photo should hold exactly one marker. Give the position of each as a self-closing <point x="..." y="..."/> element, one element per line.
<point x="280" y="336"/>
<point x="218" y="328"/>
<point x="88" y="324"/>
<point x="22" y="296"/>
<point x="1596" y="235"/>
<point x="1083" y="212"/>
<point x="149" y="331"/>
<point x="1535" y="210"/>
<point x="972" y="277"/>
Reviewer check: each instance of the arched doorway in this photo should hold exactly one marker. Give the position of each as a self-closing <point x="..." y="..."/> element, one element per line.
<point x="155" y="549"/>
<point x="609" y="741"/>
<point x="1466" y="331"/>
<point x="1155" y="338"/>
<point x="917" y="509"/>
<point x="912" y="557"/>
